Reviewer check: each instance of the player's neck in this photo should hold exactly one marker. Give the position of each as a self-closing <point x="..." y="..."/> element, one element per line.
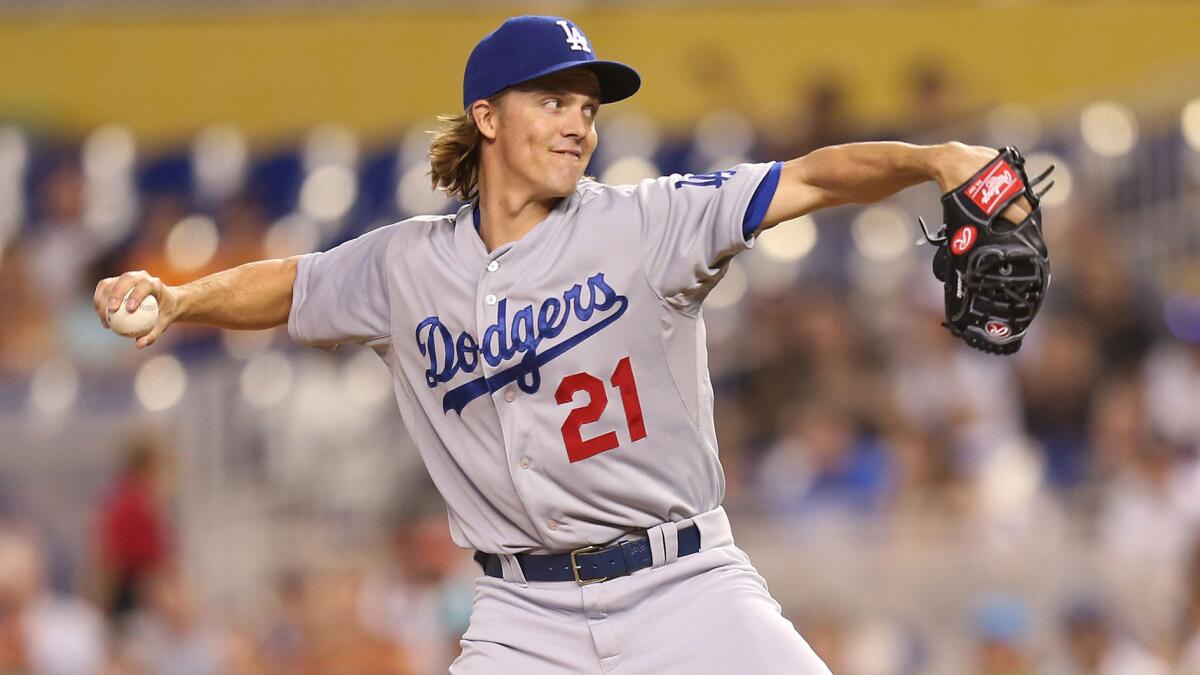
<point x="506" y="216"/>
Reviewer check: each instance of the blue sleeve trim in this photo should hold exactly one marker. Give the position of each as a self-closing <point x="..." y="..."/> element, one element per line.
<point x="761" y="201"/>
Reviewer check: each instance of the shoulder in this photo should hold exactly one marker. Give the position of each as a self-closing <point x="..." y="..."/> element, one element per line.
<point x="422" y="225"/>
<point x="409" y="231"/>
<point x="590" y="191"/>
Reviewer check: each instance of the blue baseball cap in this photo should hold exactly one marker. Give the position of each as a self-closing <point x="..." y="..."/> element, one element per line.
<point x="524" y="48"/>
<point x="1002" y="618"/>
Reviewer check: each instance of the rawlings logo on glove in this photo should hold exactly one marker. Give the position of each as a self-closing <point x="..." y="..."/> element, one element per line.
<point x="995" y="271"/>
<point x="964" y="240"/>
<point x="998" y="182"/>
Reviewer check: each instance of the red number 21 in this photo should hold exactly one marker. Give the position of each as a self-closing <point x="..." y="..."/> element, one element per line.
<point x="579" y="447"/>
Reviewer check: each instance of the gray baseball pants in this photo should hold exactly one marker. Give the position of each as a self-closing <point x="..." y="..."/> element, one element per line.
<point x="709" y="612"/>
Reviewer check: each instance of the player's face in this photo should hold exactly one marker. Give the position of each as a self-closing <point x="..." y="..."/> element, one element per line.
<point x="546" y="131"/>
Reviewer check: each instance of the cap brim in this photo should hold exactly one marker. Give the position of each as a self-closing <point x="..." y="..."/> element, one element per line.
<point x="617" y="80"/>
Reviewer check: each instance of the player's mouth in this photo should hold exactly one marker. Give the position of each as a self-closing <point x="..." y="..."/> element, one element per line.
<point x="577" y="154"/>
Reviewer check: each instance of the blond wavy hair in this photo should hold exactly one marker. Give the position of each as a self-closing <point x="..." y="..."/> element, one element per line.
<point x="454" y="156"/>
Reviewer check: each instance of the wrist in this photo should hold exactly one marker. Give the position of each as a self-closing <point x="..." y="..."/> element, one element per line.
<point x="182" y="298"/>
<point x="931" y="159"/>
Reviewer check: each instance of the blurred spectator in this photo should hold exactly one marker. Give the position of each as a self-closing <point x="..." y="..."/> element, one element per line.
<point x="1172" y="389"/>
<point x="169" y="634"/>
<point x="243" y="222"/>
<point x="734" y="437"/>
<point x="26" y="343"/>
<point x="243" y="655"/>
<point x="966" y="399"/>
<point x="713" y="73"/>
<point x="1057" y="381"/>
<point x="1102" y="290"/>
<point x="934" y="100"/>
<point x="284" y="642"/>
<point x="822" y="463"/>
<point x="43" y="633"/>
<point x="1003" y="645"/>
<point x="854" y="646"/>
<point x="315" y="629"/>
<point x="772" y="366"/>
<point x="931" y="491"/>
<point x="339" y="643"/>
<point x="818" y="117"/>
<point x="808" y="344"/>
<point x="134" y="533"/>
<point x="1149" y="522"/>
<point x="1117" y="426"/>
<point x="421" y="600"/>
<point x="148" y="249"/>
<point x="1188" y="660"/>
<point x="60" y="249"/>
<point x="825" y="631"/>
<point x="1095" y="646"/>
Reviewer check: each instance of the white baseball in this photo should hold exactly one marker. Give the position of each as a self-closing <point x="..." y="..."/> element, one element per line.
<point x="136" y="323"/>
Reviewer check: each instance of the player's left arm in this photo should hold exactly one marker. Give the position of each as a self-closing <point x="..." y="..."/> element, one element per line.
<point x="861" y="173"/>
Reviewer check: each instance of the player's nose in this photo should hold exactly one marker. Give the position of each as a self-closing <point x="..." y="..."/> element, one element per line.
<point x="576" y="123"/>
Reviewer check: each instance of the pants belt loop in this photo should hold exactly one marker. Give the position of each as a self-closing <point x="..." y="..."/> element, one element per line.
<point x="658" y="553"/>
<point x="664" y="544"/>
<point x="671" y="542"/>
<point x="512" y="569"/>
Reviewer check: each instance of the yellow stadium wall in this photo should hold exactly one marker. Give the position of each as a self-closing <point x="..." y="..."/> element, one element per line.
<point x="276" y="73"/>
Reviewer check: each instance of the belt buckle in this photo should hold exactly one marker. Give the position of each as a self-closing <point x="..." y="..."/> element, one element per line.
<point x="575" y="565"/>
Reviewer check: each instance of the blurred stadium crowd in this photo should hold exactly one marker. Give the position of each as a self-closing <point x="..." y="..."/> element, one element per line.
<point x="228" y="503"/>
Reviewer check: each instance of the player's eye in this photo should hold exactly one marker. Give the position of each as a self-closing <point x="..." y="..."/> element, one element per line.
<point x="552" y="104"/>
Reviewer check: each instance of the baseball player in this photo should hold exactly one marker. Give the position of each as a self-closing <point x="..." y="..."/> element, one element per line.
<point x="547" y="348"/>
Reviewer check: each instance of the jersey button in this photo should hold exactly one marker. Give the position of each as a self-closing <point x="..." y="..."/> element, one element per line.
<point x="490" y="299"/>
<point x="553" y="525"/>
<point x="509" y="396"/>
<point x="493" y="266"/>
<point x="524" y="462"/>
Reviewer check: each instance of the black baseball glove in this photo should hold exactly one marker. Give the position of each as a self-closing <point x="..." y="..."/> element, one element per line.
<point x="995" y="271"/>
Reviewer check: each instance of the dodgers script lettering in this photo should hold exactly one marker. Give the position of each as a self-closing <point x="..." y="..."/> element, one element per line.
<point x="595" y="306"/>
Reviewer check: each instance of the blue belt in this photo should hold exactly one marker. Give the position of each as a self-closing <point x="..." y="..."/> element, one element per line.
<point x="590" y="564"/>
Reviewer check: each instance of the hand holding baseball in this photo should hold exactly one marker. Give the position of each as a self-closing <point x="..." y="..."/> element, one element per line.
<point x="136" y="305"/>
<point x="136" y="322"/>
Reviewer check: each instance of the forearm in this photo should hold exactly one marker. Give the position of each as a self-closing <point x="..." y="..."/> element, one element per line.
<point x="854" y="173"/>
<point x="252" y="296"/>
<point x="859" y="173"/>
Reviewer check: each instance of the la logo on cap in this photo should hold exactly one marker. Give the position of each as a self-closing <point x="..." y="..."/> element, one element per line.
<point x="575" y="37"/>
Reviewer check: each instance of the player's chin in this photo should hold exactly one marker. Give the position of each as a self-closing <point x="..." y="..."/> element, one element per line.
<point x="567" y="170"/>
<point x="562" y="184"/>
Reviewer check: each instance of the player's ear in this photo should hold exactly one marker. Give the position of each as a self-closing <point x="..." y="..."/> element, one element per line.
<point x="485" y="113"/>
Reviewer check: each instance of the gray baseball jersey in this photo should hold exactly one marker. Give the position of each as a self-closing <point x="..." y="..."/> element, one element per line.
<point x="557" y="387"/>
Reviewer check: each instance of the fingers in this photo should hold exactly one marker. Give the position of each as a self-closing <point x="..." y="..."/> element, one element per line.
<point x="120" y="288"/>
<point x="141" y="284"/>
<point x="100" y="299"/>
<point x="110" y="291"/>
<point x="1018" y="211"/>
<point x="159" y="326"/>
<point x="166" y="315"/>
<point x="141" y="288"/>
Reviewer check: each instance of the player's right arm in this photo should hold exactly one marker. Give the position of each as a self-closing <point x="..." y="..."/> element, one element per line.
<point x="325" y="299"/>
<point x="252" y="296"/>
